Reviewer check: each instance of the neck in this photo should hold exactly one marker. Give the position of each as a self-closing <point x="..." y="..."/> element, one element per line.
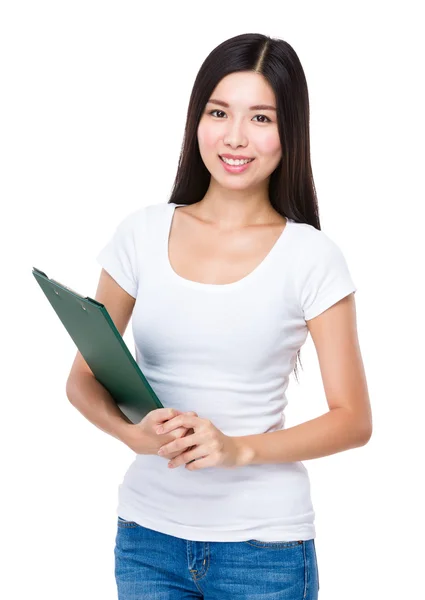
<point x="236" y="208"/>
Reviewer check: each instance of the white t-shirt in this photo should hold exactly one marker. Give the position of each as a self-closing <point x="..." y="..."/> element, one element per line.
<point x="226" y="352"/>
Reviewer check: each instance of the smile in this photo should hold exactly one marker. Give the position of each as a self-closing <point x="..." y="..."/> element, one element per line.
<point x="236" y="163"/>
<point x="235" y="166"/>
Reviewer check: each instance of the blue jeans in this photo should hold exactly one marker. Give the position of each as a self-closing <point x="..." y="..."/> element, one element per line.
<point x="150" y="565"/>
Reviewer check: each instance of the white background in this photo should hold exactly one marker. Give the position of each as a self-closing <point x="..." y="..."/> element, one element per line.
<point x="93" y="106"/>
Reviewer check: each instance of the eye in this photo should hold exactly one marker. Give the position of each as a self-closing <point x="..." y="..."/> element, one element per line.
<point x="268" y="120"/>
<point x="216" y="110"/>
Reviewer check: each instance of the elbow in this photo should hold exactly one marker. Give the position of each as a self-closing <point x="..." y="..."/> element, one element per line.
<point x="69" y="389"/>
<point x="365" y="435"/>
<point x="361" y="427"/>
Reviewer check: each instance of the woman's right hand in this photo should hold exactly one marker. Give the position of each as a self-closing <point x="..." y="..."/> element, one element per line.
<point x="143" y="438"/>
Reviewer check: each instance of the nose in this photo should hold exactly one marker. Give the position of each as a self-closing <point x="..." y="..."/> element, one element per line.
<point x="235" y="135"/>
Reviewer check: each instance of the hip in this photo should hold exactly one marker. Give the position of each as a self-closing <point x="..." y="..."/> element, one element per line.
<point x="152" y="563"/>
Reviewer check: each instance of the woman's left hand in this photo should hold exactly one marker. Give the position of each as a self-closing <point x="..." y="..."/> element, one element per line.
<point x="207" y="444"/>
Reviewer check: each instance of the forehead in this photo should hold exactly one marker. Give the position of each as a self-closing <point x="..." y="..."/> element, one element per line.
<point x="243" y="89"/>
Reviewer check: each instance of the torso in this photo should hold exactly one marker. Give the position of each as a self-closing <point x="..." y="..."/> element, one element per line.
<point x="198" y="251"/>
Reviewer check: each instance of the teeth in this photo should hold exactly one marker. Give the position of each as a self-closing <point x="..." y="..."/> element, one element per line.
<point x="235" y="163"/>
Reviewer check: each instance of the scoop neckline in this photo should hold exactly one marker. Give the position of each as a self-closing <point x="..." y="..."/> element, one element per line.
<point x="218" y="287"/>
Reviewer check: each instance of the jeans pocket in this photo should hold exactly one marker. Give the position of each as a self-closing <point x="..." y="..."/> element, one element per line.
<point x="127" y="524"/>
<point x="283" y="544"/>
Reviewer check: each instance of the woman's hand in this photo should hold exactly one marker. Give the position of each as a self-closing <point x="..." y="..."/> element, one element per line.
<point x="207" y="446"/>
<point x="142" y="437"/>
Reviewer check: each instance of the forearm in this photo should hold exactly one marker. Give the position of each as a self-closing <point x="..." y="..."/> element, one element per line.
<point x="95" y="403"/>
<point x="330" y="433"/>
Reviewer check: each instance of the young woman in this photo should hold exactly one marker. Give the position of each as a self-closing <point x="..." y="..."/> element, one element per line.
<point x="224" y="282"/>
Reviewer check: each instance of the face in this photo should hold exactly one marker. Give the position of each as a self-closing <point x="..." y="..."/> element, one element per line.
<point x="231" y="126"/>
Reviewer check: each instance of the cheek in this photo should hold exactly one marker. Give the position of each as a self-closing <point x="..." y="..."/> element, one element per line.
<point x="207" y="139"/>
<point x="270" y="145"/>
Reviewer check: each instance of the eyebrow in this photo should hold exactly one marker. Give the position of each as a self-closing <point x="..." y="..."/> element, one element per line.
<point x="256" y="107"/>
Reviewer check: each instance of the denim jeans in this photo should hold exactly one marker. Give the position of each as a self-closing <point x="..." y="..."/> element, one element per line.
<point x="150" y="565"/>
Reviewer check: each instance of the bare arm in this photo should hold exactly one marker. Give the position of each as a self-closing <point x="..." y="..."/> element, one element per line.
<point x="83" y="390"/>
<point x="94" y="401"/>
<point x="348" y="424"/>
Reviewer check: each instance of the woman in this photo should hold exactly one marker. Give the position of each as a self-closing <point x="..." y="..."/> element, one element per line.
<point x="224" y="282"/>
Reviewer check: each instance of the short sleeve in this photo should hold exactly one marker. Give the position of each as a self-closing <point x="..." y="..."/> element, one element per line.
<point x="327" y="279"/>
<point x="119" y="256"/>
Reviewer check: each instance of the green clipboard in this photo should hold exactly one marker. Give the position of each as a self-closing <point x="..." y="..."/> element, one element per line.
<point x="103" y="348"/>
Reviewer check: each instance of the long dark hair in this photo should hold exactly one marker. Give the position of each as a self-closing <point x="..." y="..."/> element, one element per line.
<point x="291" y="187"/>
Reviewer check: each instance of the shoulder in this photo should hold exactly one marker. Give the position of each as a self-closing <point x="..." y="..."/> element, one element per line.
<point x="321" y="273"/>
<point x="141" y="216"/>
<point x="317" y="257"/>
<point x="312" y="244"/>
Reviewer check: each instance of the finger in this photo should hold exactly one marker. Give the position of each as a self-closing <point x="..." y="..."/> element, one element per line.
<point x="190" y="455"/>
<point x="184" y="420"/>
<point x="172" y="455"/>
<point x="189" y="413"/>
<point x="189" y="431"/>
<point x="164" y="414"/>
<point x="181" y="432"/>
<point x="179" y="445"/>
<point x="178" y="433"/>
<point x="201" y="463"/>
